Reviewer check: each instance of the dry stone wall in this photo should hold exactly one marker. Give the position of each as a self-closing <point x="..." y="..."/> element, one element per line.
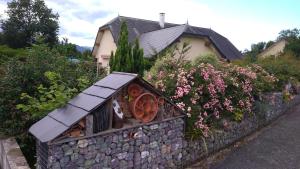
<point x="269" y="108"/>
<point x="150" y="146"/>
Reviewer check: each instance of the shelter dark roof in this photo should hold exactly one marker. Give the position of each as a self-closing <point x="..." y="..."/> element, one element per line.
<point x="152" y="37"/>
<point x="61" y="119"/>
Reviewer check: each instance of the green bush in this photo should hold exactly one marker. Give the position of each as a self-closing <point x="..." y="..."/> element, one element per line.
<point x="294" y="47"/>
<point x="6" y="53"/>
<point x="210" y="58"/>
<point x="49" y="98"/>
<point x="285" y="68"/>
<point x="27" y="74"/>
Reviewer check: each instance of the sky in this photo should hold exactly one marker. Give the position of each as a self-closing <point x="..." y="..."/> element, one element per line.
<point x="242" y="22"/>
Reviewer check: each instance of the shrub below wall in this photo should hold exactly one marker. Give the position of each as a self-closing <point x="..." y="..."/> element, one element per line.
<point x="211" y="92"/>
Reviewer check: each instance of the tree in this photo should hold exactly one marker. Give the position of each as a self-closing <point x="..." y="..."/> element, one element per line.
<point x="127" y="58"/>
<point x="259" y="47"/>
<point x="1" y="38"/>
<point x="67" y="49"/>
<point x="138" y="59"/>
<point x="293" y="38"/>
<point x="121" y="59"/>
<point x="294" y="47"/>
<point x="255" y="50"/>
<point x="28" y="19"/>
<point x="289" y="34"/>
<point x="270" y="43"/>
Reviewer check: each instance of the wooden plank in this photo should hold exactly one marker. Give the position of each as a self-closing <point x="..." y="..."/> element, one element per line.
<point x="110" y="110"/>
<point x="89" y="125"/>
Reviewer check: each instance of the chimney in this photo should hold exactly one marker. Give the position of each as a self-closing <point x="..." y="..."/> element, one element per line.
<point x="162" y="20"/>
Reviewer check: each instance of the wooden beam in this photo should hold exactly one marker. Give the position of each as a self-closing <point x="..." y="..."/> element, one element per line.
<point x="89" y="125"/>
<point x="110" y="110"/>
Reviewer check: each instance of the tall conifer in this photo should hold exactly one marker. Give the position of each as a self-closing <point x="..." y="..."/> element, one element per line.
<point x="127" y="58"/>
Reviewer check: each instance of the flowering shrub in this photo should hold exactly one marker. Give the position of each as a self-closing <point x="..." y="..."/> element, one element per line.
<point x="209" y="94"/>
<point x="285" y="67"/>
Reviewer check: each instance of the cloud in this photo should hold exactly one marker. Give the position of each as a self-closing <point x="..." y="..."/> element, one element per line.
<point x="90" y="16"/>
<point x="87" y="16"/>
<point x="80" y="20"/>
<point x="2" y="10"/>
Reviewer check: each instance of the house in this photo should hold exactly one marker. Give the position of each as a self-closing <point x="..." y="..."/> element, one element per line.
<point x="275" y="49"/>
<point x="120" y="108"/>
<point x="155" y="36"/>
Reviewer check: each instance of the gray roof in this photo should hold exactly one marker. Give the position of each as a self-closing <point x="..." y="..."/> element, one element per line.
<point x="136" y="27"/>
<point x="153" y="39"/>
<point x="61" y="119"/>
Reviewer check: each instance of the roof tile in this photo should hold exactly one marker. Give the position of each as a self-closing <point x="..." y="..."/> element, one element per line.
<point x="86" y="102"/>
<point x="47" y="129"/>
<point x="115" y="80"/>
<point x="68" y="114"/>
<point x="99" y="91"/>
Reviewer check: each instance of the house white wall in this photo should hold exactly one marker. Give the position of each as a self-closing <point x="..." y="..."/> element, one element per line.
<point x="106" y="44"/>
<point x="199" y="46"/>
<point x="274" y="50"/>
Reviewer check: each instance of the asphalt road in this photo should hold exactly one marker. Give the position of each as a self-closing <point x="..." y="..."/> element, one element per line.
<point x="276" y="147"/>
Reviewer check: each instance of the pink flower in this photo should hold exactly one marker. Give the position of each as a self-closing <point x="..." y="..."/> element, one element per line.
<point x="194" y="101"/>
<point x="217" y="114"/>
<point x="211" y="89"/>
<point x="181" y="105"/>
<point x="206" y="106"/>
<point x="241" y="103"/>
<point x="205" y="75"/>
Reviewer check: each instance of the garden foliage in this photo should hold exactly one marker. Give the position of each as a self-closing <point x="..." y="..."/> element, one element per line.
<point x="38" y="79"/>
<point x="50" y="98"/>
<point x="25" y="73"/>
<point x="284" y="67"/>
